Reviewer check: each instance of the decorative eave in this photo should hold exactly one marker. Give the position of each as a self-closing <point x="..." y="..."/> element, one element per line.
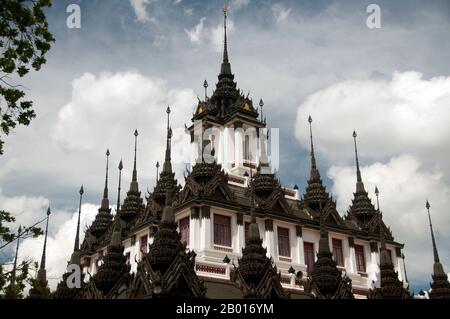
<point x="206" y="181"/>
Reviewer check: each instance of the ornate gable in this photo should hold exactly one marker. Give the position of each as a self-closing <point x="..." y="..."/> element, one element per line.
<point x="167" y="270"/>
<point x="326" y="281"/>
<point x="207" y="180"/>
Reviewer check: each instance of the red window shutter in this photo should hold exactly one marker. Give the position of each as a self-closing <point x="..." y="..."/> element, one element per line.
<point x="338" y="253"/>
<point x="309" y="256"/>
<point x="360" y="258"/>
<point x="222" y="230"/>
<point x="284" y="247"/>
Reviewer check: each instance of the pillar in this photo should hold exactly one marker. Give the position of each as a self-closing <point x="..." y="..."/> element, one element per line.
<point x="205" y="228"/>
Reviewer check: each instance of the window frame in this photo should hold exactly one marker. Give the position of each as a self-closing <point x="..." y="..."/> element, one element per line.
<point x="226" y="241"/>
<point x="284" y="237"/>
<point x="305" y="245"/>
<point x="360" y="251"/>
<point x="338" y="252"/>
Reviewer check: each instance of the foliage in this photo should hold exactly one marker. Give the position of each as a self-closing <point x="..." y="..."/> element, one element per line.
<point x="24" y="41"/>
<point x="21" y="275"/>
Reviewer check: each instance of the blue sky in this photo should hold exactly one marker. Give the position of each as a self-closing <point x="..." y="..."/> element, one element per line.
<point x="299" y="56"/>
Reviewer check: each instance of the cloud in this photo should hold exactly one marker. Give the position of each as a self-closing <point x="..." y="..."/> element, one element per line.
<point x="281" y="14"/>
<point x="216" y="35"/>
<point x="197" y="33"/>
<point x="105" y="109"/>
<point x="404" y="185"/>
<point x="407" y="113"/>
<point x="237" y="4"/>
<point x="26" y="209"/>
<point x="140" y="9"/>
<point x="402" y="122"/>
<point x="213" y="36"/>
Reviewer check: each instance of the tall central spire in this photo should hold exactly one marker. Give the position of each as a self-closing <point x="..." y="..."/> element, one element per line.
<point x="105" y="200"/>
<point x="226" y="67"/>
<point x="42" y="273"/>
<point x="77" y="235"/>
<point x="359" y="183"/>
<point x="167" y="167"/>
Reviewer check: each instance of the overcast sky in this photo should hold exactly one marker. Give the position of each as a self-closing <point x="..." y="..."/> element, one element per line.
<point x="130" y="59"/>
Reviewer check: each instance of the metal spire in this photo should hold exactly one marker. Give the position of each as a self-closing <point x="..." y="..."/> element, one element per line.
<point x="377" y="192"/>
<point x="134" y="184"/>
<point x="435" y="251"/>
<point x="261" y="104"/>
<point x="359" y="183"/>
<point x="226" y="67"/>
<point x="77" y="235"/>
<point x="135" y="153"/>
<point x="120" y="182"/>
<point x="42" y="273"/>
<point x="313" y="157"/>
<point x="105" y="200"/>
<point x="167" y="167"/>
<point x="157" y="171"/>
<point x="225" y="44"/>
<point x="13" y="272"/>
<point x="205" y="85"/>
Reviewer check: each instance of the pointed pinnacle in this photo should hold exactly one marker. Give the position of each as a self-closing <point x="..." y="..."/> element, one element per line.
<point x="120" y="165"/>
<point x="261" y="102"/>
<point x="81" y="190"/>
<point x="205" y="84"/>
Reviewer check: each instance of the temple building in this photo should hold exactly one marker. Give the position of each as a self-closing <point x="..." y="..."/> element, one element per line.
<point x="232" y="230"/>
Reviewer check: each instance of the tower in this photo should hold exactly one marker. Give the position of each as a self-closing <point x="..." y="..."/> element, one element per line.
<point x="440" y="287"/>
<point x="227" y="122"/>
<point x="39" y="286"/>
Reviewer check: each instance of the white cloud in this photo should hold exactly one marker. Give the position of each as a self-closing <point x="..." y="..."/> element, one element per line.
<point x="216" y="35"/>
<point x="105" y="109"/>
<point x="406" y="113"/>
<point x="405" y="184"/>
<point x="403" y="130"/>
<point x="197" y="33"/>
<point x="212" y="35"/>
<point x="237" y="4"/>
<point x="26" y="209"/>
<point x="280" y="13"/>
<point x="140" y="9"/>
